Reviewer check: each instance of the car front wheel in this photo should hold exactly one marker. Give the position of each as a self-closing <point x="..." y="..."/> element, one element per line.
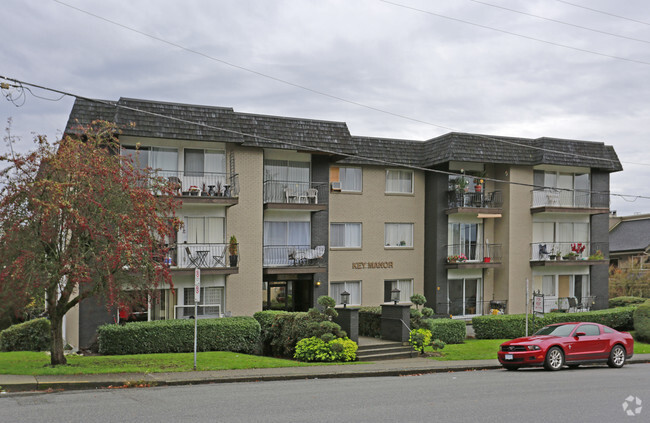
<point x="616" y="357"/>
<point x="554" y="359"/>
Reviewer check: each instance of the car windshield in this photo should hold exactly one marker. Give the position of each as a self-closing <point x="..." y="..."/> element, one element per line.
<point x="561" y="330"/>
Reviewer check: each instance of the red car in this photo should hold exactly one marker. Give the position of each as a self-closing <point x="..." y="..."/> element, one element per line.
<point x="572" y="344"/>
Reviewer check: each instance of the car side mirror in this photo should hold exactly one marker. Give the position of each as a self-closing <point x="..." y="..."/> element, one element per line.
<point x="580" y="334"/>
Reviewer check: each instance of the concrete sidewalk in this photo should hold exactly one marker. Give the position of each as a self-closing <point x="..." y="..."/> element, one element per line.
<point x="409" y="366"/>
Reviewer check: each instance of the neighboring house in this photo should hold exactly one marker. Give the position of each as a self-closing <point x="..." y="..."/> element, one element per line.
<point x="317" y="211"/>
<point x="629" y="238"/>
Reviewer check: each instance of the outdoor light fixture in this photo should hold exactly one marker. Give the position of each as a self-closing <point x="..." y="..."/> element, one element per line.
<point x="345" y="298"/>
<point x="317" y="283"/>
<point x="394" y="295"/>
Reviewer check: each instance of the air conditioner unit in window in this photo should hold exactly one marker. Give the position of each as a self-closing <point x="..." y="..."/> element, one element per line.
<point x="336" y="186"/>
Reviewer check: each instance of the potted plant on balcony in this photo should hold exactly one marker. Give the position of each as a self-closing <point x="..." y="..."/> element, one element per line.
<point x="232" y="251"/>
<point x="570" y="256"/>
<point x="194" y="190"/>
<point x="578" y="248"/>
<point x="598" y="255"/>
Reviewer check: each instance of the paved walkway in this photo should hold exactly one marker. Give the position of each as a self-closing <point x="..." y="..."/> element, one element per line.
<point x="408" y="366"/>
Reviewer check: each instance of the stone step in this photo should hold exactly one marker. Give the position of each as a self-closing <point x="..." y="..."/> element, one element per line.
<point x="387" y="356"/>
<point x="383" y="349"/>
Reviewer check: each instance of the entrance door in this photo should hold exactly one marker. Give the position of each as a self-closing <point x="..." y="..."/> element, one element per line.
<point x="294" y="295"/>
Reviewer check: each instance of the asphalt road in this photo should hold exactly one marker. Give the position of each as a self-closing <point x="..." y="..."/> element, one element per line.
<point x="594" y="394"/>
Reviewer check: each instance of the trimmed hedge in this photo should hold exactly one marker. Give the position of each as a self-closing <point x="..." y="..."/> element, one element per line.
<point x="625" y="301"/>
<point x="289" y="328"/>
<point x="370" y="321"/>
<point x="265" y="319"/>
<point x="510" y="326"/>
<point x="642" y="322"/>
<point x="33" y="335"/>
<point x="237" y="334"/>
<point x="449" y="331"/>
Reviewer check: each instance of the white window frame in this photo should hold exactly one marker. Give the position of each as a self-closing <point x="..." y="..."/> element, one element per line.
<point x="400" y="227"/>
<point x="347" y="286"/>
<point x="399" y="173"/>
<point x="345" y="187"/>
<point x="188" y="294"/>
<point x="400" y="283"/>
<point x="347" y="243"/>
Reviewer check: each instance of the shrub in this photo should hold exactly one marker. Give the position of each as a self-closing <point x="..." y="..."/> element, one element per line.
<point x="514" y="325"/>
<point x="316" y="349"/>
<point x="642" y="322"/>
<point x="625" y="301"/>
<point x="33" y="335"/>
<point x="370" y="321"/>
<point x="418" y="300"/>
<point x="419" y="338"/>
<point x="437" y="344"/>
<point x="447" y="330"/>
<point x="289" y="328"/>
<point x="237" y="334"/>
<point x="265" y="319"/>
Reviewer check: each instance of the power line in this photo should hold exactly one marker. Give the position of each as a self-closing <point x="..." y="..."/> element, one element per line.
<point x="304" y="147"/>
<point x="603" y="12"/>
<point x="527" y="37"/>
<point x="560" y="22"/>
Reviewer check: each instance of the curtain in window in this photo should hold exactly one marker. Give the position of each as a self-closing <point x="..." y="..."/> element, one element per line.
<point x="194" y="165"/>
<point x="583" y="188"/>
<point x="399" y="181"/>
<point x="204" y="230"/>
<point x="138" y="156"/>
<point x="405" y="287"/>
<point x="345" y="235"/>
<point x="398" y="234"/>
<point x="287" y="233"/>
<point x="165" y="159"/>
<point x="350" y="178"/>
<point x="548" y="285"/>
<point x="215" y="161"/>
<point x="464" y="238"/>
<point x="286" y="171"/>
<point x="353" y="287"/>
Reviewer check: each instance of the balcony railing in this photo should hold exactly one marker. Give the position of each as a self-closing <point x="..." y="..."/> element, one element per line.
<point x="560" y="251"/>
<point x="295" y="192"/>
<point x="293" y="255"/>
<point x="471" y="307"/>
<point x="473" y="253"/>
<point x="552" y="197"/>
<point x="202" y="256"/>
<point x="192" y="183"/>
<point x="460" y="199"/>
<point x="567" y="304"/>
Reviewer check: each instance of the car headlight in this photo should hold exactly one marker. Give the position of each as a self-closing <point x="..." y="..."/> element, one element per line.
<point x="533" y="347"/>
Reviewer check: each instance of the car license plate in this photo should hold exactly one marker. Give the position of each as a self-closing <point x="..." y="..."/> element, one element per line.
<point x="509" y="357"/>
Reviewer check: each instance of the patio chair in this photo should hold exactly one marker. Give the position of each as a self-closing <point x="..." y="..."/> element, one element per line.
<point x="542" y="253"/>
<point x="312" y="193"/>
<point x="220" y="259"/>
<point x="176" y="184"/>
<point x="194" y="259"/>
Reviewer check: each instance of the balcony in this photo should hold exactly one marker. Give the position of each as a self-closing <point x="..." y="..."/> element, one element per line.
<point x="211" y="258"/>
<point x="569" y="201"/>
<point x="487" y="203"/>
<point x="204" y="187"/>
<point x="293" y="259"/>
<point x="464" y="256"/>
<point x="471" y="307"/>
<point x="296" y="195"/>
<point x="567" y="253"/>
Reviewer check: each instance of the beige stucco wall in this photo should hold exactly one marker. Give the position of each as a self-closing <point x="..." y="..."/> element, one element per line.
<point x="373" y="208"/>
<point x="514" y="231"/>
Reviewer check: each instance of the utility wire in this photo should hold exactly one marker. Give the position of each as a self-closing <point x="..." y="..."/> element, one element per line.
<point x="304" y="147"/>
<point x="415" y="9"/>
<point x="603" y="12"/>
<point x="560" y="22"/>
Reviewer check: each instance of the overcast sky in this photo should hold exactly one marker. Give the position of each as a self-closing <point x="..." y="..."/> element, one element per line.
<point x="441" y="65"/>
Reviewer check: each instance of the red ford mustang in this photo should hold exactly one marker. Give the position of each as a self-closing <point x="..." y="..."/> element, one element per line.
<point x="572" y="344"/>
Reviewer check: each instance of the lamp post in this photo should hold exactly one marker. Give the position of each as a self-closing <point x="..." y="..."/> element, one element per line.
<point x="394" y="295"/>
<point x="345" y="298"/>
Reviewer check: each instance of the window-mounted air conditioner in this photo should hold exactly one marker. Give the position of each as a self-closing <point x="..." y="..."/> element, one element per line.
<point x="336" y="186"/>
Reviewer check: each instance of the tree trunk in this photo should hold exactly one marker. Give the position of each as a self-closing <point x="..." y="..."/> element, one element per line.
<point x="56" y="350"/>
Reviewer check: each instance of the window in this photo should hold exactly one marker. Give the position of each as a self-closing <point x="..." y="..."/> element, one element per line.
<point x="465" y="238"/>
<point x="286" y="171"/>
<point x="351" y="179"/>
<point x="203" y="230"/>
<point x="211" y="302"/>
<point x="566" y="189"/>
<point x="346" y="235"/>
<point x="405" y="287"/>
<point x="589" y="330"/>
<point x="399" y="181"/>
<point x="548" y="285"/>
<point x="164" y="159"/>
<point x="353" y="287"/>
<point x="398" y="235"/>
<point x="465" y="296"/>
<point x="198" y="162"/>
<point x="282" y="239"/>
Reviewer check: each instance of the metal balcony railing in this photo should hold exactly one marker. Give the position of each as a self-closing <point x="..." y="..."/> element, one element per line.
<point x="458" y="199"/>
<point x="472" y="253"/>
<point x="293" y="255"/>
<point x="553" y="197"/>
<point x="295" y="192"/>
<point x="471" y="307"/>
<point x="541" y="251"/>
<point x="212" y="184"/>
<point x="202" y="256"/>
<point x="567" y="304"/>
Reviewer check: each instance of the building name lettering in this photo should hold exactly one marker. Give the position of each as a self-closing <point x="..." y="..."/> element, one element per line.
<point x="372" y="265"/>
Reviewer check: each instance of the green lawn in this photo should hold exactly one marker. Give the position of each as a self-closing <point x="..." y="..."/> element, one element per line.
<point x="37" y="363"/>
<point x="486" y="349"/>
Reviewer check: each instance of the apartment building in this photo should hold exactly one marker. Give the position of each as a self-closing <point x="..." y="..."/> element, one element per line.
<point x="464" y="219"/>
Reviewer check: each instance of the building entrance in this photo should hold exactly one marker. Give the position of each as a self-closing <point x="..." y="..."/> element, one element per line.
<point x="289" y="295"/>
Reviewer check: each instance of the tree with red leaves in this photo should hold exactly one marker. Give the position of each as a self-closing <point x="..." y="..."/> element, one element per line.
<point x="77" y="219"/>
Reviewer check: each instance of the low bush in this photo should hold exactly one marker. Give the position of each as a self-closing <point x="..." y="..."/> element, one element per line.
<point x="265" y="319"/>
<point x="33" y="335"/>
<point x="316" y="349"/>
<point x="289" y="328"/>
<point x="514" y="325"/>
<point x="448" y="331"/>
<point x="370" y="321"/>
<point x="642" y="322"/>
<point x="419" y="338"/>
<point x="236" y="334"/>
<point x="625" y="301"/>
